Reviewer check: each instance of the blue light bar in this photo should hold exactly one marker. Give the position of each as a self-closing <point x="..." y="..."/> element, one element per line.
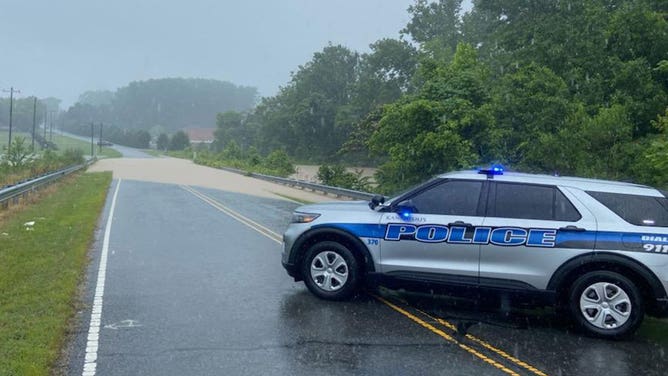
<point x="492" y="170"/>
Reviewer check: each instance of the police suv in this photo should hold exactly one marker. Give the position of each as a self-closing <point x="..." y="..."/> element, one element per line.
<point x="596" y="248"/>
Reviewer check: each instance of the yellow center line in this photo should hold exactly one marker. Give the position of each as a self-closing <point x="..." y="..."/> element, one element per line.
<point x="448" y="337"/>
<point x="277" y="238"/>
<point x="240" y="218"/>
<point x="486" y="345"/>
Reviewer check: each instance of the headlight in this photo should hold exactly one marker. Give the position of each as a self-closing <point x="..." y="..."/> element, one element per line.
<point x="298" y="217"/>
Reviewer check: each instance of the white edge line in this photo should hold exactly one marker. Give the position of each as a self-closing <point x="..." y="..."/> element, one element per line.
<point x="90" y="360"/>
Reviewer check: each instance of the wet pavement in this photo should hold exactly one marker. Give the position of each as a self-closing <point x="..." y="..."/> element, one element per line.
<point x="195" y="288"/>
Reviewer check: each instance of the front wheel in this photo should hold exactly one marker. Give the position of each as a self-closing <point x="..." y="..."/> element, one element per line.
<point x="330" y="271"/>
<point x="606" y="304"/>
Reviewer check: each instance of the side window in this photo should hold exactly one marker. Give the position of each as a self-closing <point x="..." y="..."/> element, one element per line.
<point x="564" y="209"/>
<point x="526" y="201"/>
<point x="454" y="197"/>
<point x="635" y="209"/>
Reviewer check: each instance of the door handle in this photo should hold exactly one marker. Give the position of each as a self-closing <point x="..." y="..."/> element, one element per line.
<point x="572" y="228"/>
<point x="460" y="223"/>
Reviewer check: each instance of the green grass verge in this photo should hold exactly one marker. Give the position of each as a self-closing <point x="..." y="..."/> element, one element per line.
<point x="63" y="143"/>
<point x="183" y="154"/>
<point x="40" y="271"/>
<point x="4" y="137"/>
<point x="655" y="330"/>
<point x="300" y="200"/>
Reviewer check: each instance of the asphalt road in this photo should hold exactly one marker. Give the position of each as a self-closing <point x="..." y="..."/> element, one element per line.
<point x="193" y="286"/>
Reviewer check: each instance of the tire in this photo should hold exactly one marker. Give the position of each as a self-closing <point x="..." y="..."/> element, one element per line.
<point x="606" y="304"/>
<point x="331" y="271"/>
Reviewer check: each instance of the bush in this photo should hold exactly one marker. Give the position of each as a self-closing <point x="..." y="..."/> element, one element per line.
<point x="279" y="161"/>
<point x="73" y="156"/>
<point x="337" y="176"/>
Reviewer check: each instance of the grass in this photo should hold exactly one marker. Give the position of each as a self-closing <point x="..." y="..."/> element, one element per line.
<point x="4" y="138"/>
<point x="300" y="200"/>
<point x="63" y="143"/>
<point x="183" y="154"/>
<point x="40" y="271"/>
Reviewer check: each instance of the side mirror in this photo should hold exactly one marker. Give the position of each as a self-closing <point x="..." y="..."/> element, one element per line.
<point x="376" y="200"/>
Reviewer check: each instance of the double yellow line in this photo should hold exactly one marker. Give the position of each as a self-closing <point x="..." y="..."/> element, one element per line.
<point x="245" y="220"/>
<point x="405" y="312"/>
<point x="450" y="338"/>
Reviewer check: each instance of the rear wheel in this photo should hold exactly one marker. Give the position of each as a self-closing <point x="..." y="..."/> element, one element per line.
<point x="606" y="304"/>
<point x="330" y="271"/>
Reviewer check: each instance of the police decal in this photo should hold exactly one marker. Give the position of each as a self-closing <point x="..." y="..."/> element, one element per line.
<point x="501" y="236"/>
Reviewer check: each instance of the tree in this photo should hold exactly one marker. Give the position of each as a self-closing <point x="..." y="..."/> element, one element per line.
<point x="169" y="104"/>
<point x="231" y="126"/>
<point x="436" y="26"/>
<point x="163" y="142"/>
<point x="97" y="98"/>
<point x="303" y="116"/>
<point x="385" y="74"/>
<point x="444" y="126"/>
<point x="653" y="163"/>
<point x="527" y="104"/>
<point x="179" y="141"/>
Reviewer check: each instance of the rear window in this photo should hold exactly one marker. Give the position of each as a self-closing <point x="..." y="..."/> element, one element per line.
<point x="634" y="209"/>
<point x="527" y="201"/>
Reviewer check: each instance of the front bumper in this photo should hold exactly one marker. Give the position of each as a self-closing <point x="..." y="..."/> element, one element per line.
<point x="293" y="270"/>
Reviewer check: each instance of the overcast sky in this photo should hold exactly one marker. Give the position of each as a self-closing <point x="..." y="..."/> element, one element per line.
<point x="63" y="48"/>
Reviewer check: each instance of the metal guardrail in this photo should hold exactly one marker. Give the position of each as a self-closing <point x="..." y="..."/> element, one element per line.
<point x="305" y="185"/>
<point x="16" y="191"/>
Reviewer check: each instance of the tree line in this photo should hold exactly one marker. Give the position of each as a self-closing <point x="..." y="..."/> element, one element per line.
<point x="159" y="105"/>
<point x="565" y="87"/>
<point x="22" y="112"/>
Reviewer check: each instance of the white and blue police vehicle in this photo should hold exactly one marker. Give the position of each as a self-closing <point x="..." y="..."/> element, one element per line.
<point x="598" y="249"/>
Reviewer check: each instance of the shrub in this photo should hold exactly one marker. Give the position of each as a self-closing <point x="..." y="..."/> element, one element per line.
<point x="337" y="176"/>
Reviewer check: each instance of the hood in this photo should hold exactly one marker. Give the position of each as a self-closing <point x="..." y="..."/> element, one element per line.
<point x="338" y="205"/>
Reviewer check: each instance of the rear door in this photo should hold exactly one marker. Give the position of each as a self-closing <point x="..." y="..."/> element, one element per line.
<point x="533" y="230"/>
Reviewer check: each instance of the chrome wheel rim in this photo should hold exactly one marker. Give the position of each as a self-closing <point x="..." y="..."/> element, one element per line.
<point x="329" y="271"/>
<point x="605" y="305"/>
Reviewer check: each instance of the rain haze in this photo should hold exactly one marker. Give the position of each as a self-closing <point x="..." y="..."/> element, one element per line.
<point x="223" y="187"/>
<point x="62" y="49"/>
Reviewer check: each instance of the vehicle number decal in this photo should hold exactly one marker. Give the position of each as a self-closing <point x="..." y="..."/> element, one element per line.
<point x="656" y="248"/>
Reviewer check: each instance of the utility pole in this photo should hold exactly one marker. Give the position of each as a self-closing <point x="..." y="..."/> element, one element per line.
<point x="46" y="119"/>
<point x="100" y="141"/>
<point x="34" y="121"/>
<point x="92" y="141"/>
<point x="11" y="109"/>
<point x="51" y="127"/>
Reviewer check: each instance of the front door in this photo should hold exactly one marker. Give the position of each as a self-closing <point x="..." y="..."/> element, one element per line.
<point x="435" y="240"/>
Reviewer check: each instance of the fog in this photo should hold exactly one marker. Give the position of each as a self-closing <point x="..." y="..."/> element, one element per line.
<point x="64" y="48"/>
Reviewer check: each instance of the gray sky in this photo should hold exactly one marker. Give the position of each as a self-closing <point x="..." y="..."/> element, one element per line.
<point x="63" y="48"/>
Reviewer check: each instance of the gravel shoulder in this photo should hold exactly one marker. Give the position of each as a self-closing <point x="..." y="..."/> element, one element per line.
<point x="185" y="172"/>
